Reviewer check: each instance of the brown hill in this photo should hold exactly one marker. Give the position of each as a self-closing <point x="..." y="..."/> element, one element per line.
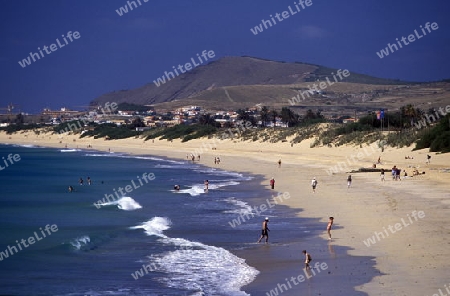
<point x="239" y="82"/>
<point x="228" y="71"/>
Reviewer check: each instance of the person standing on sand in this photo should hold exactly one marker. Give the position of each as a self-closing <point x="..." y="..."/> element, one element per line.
<point x="265" y="231"/>
<point x="382" y="175"/>
<point x="279" y="163"/>
<point x="272" y="183"/>
<point x="314" y="184"/>
<point x="330" y="223"/>
<point x="307" y="259"/>
<point x="349" y="181"/>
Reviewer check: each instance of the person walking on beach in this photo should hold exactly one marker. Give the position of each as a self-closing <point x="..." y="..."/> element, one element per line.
<point x="272" y="183"/>
<point x="394" y="172"/>
<point x="314" y="184"/>
<point x="279" y="163"/>
<point x="349" y="181"/>
<point x="330" y="223"/>
<point x="307" y="259"/>
<point x="428" y="159"/>
<point x="382" y="175"/>
<point x="265" y="230"/>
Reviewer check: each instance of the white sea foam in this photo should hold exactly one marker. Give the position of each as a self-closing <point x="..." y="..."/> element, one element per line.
<point x="217" y="172"/>
<point x="155" y="226"/>
<point x="125" y="203"/>
<point x="80" y="242"/>
<point x="197" y="267"/>
<point x="244" y="207"/>
<point x="198" y="189"/>
<point x="169" y="166"/>
<point x="23" y="146"/>
<point x="69" y="150"/>
<point x="110" y="154"/>
<point x="195" y="190"/>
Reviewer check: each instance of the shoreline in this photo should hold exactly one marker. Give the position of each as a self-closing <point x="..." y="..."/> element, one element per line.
<point x="408" y="264"/>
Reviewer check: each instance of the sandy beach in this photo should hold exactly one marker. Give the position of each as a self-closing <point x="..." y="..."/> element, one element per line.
<point x="410" y="216"/>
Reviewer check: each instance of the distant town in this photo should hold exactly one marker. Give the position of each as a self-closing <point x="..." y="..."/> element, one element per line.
<point x="147" y="117"/>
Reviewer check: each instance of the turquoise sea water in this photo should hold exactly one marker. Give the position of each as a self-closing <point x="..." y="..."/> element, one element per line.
<point x="184" y="238"/>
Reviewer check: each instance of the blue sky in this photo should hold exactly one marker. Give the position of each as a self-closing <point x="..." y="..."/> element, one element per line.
<point x="122" y="52"/>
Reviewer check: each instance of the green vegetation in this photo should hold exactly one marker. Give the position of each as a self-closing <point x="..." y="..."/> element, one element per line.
<point x="437" y="138"/>
<point x="13" y="128"/>
<point x="399" y="129"/>
<point x="68" y="126"/>
<point x="110" y="131"/>
<point x="181" y="131"/>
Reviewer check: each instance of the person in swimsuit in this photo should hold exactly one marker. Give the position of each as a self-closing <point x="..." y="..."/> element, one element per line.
<point x="265" y="231"/>
<point x="81" y="181"/>
<point x="314" y="184"/>
<point x="307" y="259"/>
<point x="349" y="181"/>
<point x="330" y="223"/>
<point x="206" y="185"/>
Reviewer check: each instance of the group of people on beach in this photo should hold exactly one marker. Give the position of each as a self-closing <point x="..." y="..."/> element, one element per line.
<point x="265" y="234"/>
<point x="192" y="157"/>
<point x="265" y="224"/>
<point x="396" y="172"/>
<point x="314" y="183"/>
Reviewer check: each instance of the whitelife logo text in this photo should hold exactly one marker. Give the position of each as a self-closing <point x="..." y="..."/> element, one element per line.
<point x="53" y="47"/>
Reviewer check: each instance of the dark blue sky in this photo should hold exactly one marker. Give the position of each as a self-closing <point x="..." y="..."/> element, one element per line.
<point x="122" y="52"/>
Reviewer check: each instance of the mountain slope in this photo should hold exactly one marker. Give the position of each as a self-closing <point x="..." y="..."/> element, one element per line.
<point x="213" y="80"/>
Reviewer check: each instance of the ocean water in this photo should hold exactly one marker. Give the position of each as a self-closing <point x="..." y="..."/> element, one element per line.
<point x="152" y="240"/>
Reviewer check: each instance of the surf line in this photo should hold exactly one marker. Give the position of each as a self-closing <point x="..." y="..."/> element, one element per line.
<point x="145" y="176"/>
